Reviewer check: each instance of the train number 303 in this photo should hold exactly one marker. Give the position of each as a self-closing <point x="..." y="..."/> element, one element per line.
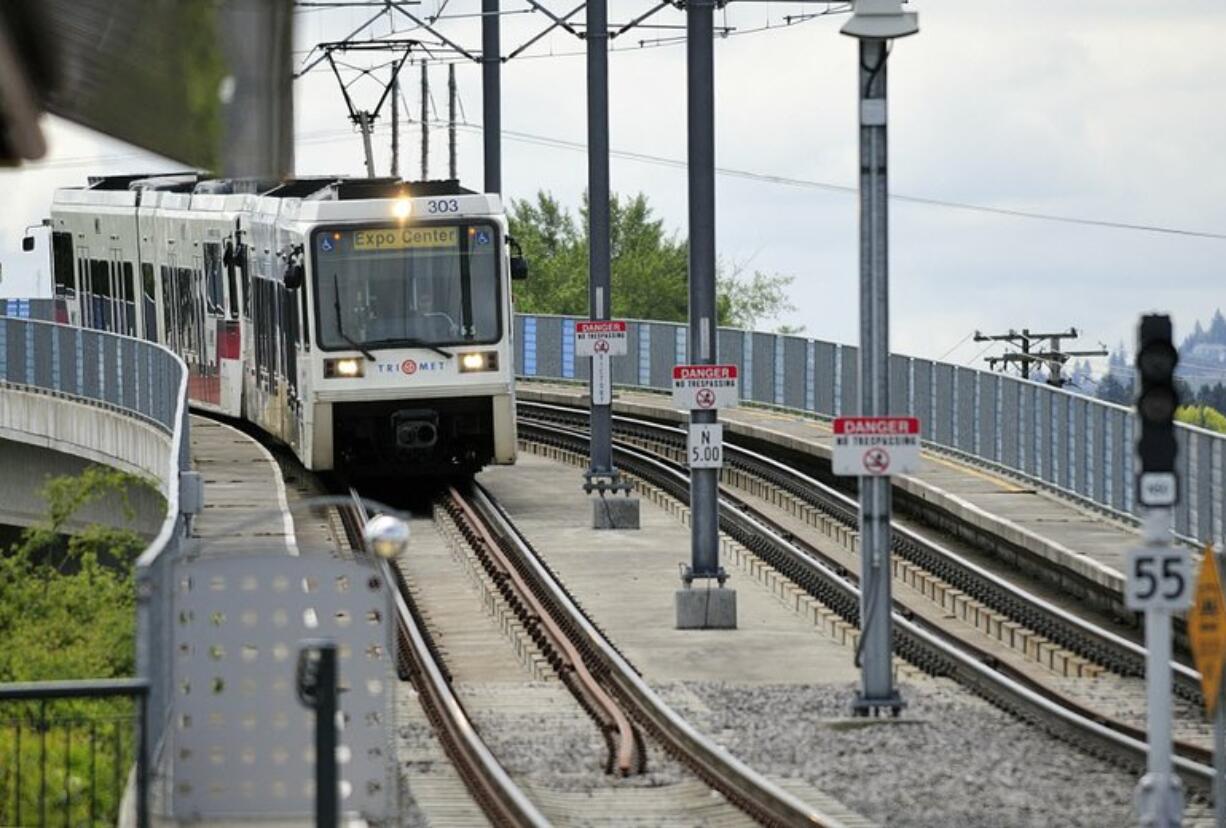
<point x="442" y="205"/>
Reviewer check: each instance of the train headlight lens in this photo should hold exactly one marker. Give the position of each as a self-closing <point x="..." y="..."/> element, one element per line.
<point x="338" y="368"/>
<point x="401" y="208"/>
<point x="478" y="361"/>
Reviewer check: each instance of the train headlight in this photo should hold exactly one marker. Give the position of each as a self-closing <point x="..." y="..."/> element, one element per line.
<point x="478" y="361"/>
<point x="401" y="208"/>
<point x="343" y="368"/>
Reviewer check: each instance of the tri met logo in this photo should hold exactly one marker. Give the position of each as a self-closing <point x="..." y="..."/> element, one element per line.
<point x="409" y="367"/>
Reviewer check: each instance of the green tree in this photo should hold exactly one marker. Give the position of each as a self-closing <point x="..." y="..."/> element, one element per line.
<point x="648" y="266"/>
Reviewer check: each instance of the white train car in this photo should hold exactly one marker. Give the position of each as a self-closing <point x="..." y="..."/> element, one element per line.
<point x="365" y="323"/>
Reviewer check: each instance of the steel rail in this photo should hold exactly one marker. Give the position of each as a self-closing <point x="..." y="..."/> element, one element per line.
<point x="743" y="786"/>
<point x="1069" y="630"/>
<point x="607" y="710"/>
<point x="497" y="794"/>
<point x="920" y="643"/>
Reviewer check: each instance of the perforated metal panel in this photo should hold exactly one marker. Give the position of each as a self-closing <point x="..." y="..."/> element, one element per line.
<point x="241" y="742"/>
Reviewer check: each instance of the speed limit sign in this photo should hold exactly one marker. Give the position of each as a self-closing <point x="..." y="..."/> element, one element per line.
<point x="1158" y="577"/>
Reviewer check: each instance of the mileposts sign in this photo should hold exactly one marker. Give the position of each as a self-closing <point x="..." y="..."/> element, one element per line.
<point x="876" y="446"/>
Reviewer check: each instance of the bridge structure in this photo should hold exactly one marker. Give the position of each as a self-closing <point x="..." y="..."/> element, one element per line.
<point x="1066" y="459"/>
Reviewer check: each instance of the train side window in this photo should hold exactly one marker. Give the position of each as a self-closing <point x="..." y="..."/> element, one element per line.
<point x="61" y="253"/>
<point x="129" y="298"/>
<point x="244" y="271"/>
<point x="168" y="308"/>
<point x="305" y="318"/>
<point x="149" y="301"/>
<point x="231" y="280"/>
<point x="100" y="288"/>
<point x="212" y="275"/>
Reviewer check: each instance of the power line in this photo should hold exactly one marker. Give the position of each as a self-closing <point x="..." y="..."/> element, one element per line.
<point x="731" y="172"/>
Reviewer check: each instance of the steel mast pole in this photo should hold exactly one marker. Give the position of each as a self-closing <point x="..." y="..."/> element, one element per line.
<point x="877" y="687"/>
<point x="491" y="94"/>
<point x="599" y="280"/>
<point x="700" y="65"/>
<point x="874" y="24"/>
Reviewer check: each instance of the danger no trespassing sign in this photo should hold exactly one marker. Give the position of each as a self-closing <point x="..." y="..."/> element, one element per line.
<point x="600" y="337"/>
<point x="705" y="387"/>
<point x="876" y="446"/>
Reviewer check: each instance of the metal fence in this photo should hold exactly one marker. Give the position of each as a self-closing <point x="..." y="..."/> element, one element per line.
<point x="1077" y="445"/>
<point x="137" y="379"/>
<point x="65" y="751"/>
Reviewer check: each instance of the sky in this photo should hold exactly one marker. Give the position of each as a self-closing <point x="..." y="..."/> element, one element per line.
<point x="1109" y="112"/>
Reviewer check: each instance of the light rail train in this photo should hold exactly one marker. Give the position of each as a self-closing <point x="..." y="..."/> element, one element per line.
<point x="365" y="323"/>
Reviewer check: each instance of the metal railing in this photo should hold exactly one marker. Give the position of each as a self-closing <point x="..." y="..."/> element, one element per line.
<point x="137" y="379"/>
<point x="1077" y="445"/>
<point x="65" y="750"/>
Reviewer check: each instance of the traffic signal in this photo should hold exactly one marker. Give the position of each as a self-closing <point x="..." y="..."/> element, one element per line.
<point x="1157" y="399"/>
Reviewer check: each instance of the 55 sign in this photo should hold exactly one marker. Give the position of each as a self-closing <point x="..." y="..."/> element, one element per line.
<point x="1158" y="577"/>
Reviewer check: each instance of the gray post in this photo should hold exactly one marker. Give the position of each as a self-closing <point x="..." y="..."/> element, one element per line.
<point x="702" y="608"/>
<point x="1159" y="796"/>
<point x="601" y="476"/>
<point x="259" y="116"/>
<point x="395" y="122"/>
<point x="365" y="125"/>
<point x="700" y="66"/>
<point x="876" y="677"/>
<point x="599" y="280"/>
<point x="491" y="94"/>
<point x="451" y="101"/>
<point x="425" y="123"/>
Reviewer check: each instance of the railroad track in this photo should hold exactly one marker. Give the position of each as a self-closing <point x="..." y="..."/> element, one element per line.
<point x="924" y="643"/>
<point x="490" y="785"/>
<point x="608" y="687"/>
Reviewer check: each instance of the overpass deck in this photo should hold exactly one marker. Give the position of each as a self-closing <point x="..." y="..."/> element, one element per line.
<point x="1082" y="548"/>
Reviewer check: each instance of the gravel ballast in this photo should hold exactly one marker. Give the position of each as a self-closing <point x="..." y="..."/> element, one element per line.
<point x="950" y="760"/>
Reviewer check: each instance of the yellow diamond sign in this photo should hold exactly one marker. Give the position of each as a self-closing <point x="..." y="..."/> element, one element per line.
<point x="1207" y="629"/>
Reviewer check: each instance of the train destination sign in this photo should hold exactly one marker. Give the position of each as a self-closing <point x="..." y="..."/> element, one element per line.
<point x="705" y="387"/>
<point x="876" y="446"/>
<point x="404" y="238"/>
<point x="606" y="337"/>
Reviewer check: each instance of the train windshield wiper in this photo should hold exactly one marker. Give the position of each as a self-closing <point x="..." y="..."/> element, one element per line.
<point x="412" y="342"/>
<point x="340" y="327"/>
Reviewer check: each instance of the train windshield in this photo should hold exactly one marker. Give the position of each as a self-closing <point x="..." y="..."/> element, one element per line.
<point x="389" y="287"/>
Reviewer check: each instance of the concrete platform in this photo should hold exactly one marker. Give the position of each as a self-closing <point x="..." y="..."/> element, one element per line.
<point x="1086" y="544"/>
<point x="245" y="508"/>
<point x="626" y="582"/>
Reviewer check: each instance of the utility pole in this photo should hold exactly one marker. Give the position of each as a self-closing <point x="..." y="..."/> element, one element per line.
<point x="491" y="94"/>
<point x="425" y="123"/>
<point x="875" y="24"/>
<point x="1054" y="358"/>
<point x="395" y="124"/>
<point x="451" y="102"/>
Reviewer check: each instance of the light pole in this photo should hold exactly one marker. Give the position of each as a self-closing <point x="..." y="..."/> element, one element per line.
<point x="875" y="23"/>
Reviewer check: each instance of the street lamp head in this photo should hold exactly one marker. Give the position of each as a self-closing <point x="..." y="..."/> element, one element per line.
<point x="881" y="20"/>
<point x="386" y="536"/>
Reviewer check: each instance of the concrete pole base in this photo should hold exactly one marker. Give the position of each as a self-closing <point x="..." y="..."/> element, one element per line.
<point x="709" y="608"/>
<point x="615" y="513"/>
